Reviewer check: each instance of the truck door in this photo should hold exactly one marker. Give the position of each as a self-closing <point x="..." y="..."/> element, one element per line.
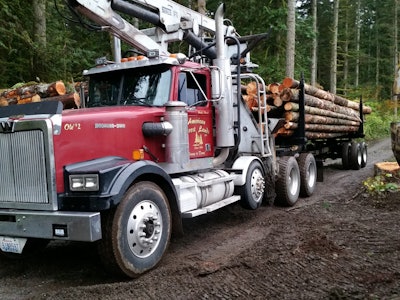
<point x="192" y="89"/>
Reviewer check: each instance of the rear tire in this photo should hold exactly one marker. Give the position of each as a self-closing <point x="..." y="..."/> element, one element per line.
<point x="288" y="183"/>
<point x="346" y="156"/>
<point x="364" y="154"/>
<point x="308" y="174"/>
<point x="252" y="192"/>
<point x="136" y="234"/>
<point x="355" y="156"/>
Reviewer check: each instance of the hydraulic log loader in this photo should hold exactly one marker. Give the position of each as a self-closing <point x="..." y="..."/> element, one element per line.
<point x="161" y="137"/>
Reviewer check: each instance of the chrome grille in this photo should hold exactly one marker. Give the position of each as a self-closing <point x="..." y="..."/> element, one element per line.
<point x="23" y="168"/>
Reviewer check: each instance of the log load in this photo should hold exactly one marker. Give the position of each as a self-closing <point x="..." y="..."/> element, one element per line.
<point x="316" y="92"/>
<point x="35" y="92"/>
<point x="326" y="115"/>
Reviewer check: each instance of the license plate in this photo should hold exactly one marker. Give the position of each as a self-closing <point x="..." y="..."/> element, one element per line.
<point x="12" y="244"/>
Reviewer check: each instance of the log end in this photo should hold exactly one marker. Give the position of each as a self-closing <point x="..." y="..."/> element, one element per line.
<point x="60" y="87"/>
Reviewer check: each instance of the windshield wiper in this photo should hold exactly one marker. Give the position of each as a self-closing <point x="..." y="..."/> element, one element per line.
<point x="138" y="101"/>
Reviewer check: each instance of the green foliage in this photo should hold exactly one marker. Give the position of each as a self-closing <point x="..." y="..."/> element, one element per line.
<point x="379" y="185"/>
<point x="377" y="123"/>
<point x="72" y="48"/>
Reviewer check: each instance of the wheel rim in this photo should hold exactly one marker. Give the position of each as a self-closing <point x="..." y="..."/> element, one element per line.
<point x="144" y="228"/>
<point x="359" y="156"/>
<point x="311" y="175"/>
<point x="294" y="181"/>
<point x="257" y="185"/>
<point x="364" y="153"/>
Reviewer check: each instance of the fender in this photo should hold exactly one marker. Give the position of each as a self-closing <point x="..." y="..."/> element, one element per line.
<point x="116" y="175"/>
<point x="243" y="163"/>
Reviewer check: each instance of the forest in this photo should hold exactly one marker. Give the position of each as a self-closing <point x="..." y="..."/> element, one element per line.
<point x="347" y="47"/>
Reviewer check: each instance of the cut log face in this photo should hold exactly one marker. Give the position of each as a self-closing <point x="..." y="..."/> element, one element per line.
<point x="326" y="115"/>
<point x="55" y="91"/>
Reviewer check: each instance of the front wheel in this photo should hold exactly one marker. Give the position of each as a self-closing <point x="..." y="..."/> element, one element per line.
<point x="252" y="192"/>
<point x="288" y="183"/>
<point x="137" y="233"/>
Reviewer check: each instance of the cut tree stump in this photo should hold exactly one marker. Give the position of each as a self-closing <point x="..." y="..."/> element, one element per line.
<point x="383" y="168"/>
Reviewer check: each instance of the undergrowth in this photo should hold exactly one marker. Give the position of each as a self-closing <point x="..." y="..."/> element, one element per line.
<point x="382" y="187"/>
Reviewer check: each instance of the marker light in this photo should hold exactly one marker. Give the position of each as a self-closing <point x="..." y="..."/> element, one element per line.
<point x="138" y="154"/>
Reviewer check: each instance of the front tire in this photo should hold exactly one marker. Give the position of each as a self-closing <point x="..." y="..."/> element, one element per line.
<point x="252" y="192"/>
<point x="136" y="234"/>
<point x="288" y="183"/>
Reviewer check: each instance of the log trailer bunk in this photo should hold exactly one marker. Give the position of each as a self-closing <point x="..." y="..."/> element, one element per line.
<point x="159" y="138"/>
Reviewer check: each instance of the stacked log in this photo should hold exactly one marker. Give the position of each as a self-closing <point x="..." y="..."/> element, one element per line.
<point x="35" y="92"/>
<point x="326" y="115"/>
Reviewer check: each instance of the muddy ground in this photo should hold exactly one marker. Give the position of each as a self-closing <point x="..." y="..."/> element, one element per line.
<point x="338" y="244"/>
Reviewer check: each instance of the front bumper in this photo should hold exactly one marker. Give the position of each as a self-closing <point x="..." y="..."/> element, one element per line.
<point x="61" y="225"/>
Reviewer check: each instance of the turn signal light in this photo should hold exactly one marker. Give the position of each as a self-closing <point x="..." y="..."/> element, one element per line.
<point x="138" y="154"/>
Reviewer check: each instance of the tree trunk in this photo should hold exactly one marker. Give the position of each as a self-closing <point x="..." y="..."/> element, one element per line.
<point x="334" y="45"/>
<point x="43" y="89"/>
<point x="351" y="115"/>
<point x="201" y="6"/>
<point x="39" y="39"/>
<point x="324" y="95"/>
<point x="318" y="119"/>
<point x="343" y="129"/>
<point x="358" y="40"/>
<point x="314" y="58"/>
<point x="71" y="100"/>
<point x="290" y="37"/>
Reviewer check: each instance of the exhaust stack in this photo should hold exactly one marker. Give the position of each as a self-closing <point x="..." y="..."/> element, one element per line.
<point x="224" y="106"/>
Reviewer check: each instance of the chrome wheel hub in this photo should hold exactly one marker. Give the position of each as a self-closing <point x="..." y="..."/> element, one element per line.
<point x="144" y="228"/>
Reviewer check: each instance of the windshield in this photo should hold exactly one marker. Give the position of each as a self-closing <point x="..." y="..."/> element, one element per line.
<point x="142" y="86"/>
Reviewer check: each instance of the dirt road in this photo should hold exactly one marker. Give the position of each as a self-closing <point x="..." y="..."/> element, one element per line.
<point x="337" y="244"/>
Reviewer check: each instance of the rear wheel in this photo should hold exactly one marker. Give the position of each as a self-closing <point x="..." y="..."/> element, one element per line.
<point x="346" y="155"/>
<point x="308" y="174"/>
<point x="364" y="154"/>
<point x="137" y="233"/>
<point x="355" y="156"/>
<point x="288" y="183"/>
<point x="252" y="192"/>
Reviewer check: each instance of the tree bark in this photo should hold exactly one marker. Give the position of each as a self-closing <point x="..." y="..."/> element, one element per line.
<point x="323" y="95"/>
<point x="314" y="57"/>
<point x="44" y="89"/>
<point x="318" y="119"/>
<point x="290" y="37"/>
<point x="335" y="29"/>
<point x="343" y="129"/>
<point x="69" y="101"/>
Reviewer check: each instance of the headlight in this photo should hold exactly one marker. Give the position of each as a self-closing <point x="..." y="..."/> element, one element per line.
<point x="84" y="182"/>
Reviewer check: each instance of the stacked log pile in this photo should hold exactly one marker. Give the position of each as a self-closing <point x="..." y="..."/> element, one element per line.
<point x="55" y="91"/>
<point x="326" y="115"/>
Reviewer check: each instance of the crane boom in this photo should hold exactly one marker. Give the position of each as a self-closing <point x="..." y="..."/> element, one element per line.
<point x="172" y="21"/>
<point x="103" y="14"/>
